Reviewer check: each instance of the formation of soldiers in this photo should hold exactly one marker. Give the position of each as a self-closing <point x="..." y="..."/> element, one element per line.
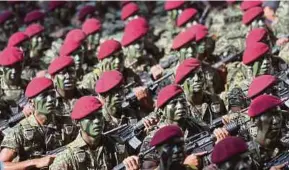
<point x="144" y="85"/>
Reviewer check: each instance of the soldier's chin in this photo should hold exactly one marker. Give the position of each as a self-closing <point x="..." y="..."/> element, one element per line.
<point x="69" y="86"/>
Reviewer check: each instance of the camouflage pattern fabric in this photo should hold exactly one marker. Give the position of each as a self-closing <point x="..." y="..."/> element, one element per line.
<point x="78" y="155"/>
<point x="30" y="140"/>
<point x="281" y="26"/>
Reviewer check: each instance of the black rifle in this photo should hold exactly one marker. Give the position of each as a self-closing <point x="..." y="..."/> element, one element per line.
<point x="205" y="14"/>
<point x="278" y="160"/>
<point x="204" y="141"/>
<point x="128" y="133"/>
<point x="11" y="121"/>
<point x="167" y="62"/>
<point x="227" y="59"/>
<point x="131" y="99"/>
<point x="121" y="166"/>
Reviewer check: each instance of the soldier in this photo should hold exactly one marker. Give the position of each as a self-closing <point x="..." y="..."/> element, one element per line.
<point x="91" y="149"/>
<point x="87" y="11"/>
<point x="111" y="91"/>
<point x="8" y="26"/>
<point x="204" y="106"/>
<point x="129" y="12"/>
<point x="233" y="153"/>
<point x="20" y="40"/>
<point x="73" y="46"/>
<point x="138" y="51"/>
<point x="270" y="127"/>
<point x="35" y="16"/>
<point x="12" y="86"/>
<point x="36" y="134"/>
<point x="92" y="29"/>
<point x="62" y="72"/>
<point x="262" y="85"/>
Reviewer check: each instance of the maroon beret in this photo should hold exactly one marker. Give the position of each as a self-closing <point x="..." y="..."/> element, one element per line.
<point x="68" y="48"/>
<point x="91" y="26"/>
<point x="227" y="148"/>
<point x="86" y="10"/>
<point x="254" y="52"/>
<point x="124" y="2"/>
<point x="260" y="84"/>
<point x="75" y="35"/>
<point x="256" y="35"/>
<point x="185" y="68"/>
<point x="262" y="104"/>
<point x="128" y="10"/>
<point x="200" y="31"/>
<point x="167" y="93"/>
<point x="170" y="5"/>
<point x="59" y="64"/>
<point x="85" y="106"/>
<point x="245" y="5"/>
<point x="38" y="85"/>
<point x="34" y="29"/>
<point x="4" y="16"/>
<point x="252" y="14"/>
<point x="108" y="80"/>
<point x="165" y="134"/>
<point x="10" y="56"/>
<point x="17" y="38"/>
<point x="182" y="39"/>
<point x="33" y="16"/>
<point x="186" y="16"/>
<point x="107" y="48"/>
<point x="134" y="30"/>
<point x="55" y="4"/>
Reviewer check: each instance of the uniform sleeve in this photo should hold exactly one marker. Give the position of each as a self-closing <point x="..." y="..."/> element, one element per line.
<point x="63" y="161"/>
<point x="13" y="140"/>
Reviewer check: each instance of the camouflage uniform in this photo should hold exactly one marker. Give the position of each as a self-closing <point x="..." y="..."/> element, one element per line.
<point x="31" y="140"/>
<point x="79" y="156"/>
<point x="280" y="27"/>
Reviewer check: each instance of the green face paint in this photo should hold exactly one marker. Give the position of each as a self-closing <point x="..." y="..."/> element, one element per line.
<point x="44" y="103"/>
<point x="65" y="79"/>
<point x="78" y="57"/>
<point x="93" y="42"/>
<point x="93" y="124"/>
<point x="262" y="67"/>
<point x="135" y="50"/>
<point x="12" y="75"/>
<point x="37" y="45"/>
<point x="176" y="110"/>
<point x="114" y="62"/>
<point x="194" y="83"/>
<point x="113" y="101"/>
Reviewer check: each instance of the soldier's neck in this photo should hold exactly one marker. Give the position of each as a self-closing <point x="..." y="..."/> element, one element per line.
<point x="197" y="98"/>
<point x="92" y="142"/>
<point x="66" y="94"/>
<point x="41" y="118"/>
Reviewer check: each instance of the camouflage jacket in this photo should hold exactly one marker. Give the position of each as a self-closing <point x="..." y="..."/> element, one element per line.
<point x="31" y="140"/>
<point x="78" y="155"/>
<point x="280" y="27"/>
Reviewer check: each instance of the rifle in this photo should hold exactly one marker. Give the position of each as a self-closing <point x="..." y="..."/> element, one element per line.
<point x="121" y="166"/>
<point x="128" y="133"/>
<point x="11" y="121"/>
<point x="204" y="141"/>
<point x="204" y="14"/>
<point x="166" y="63"/>
<point x="131" y="99"/>
<point x="227" y="59"/>
<point x="278" y="160"/>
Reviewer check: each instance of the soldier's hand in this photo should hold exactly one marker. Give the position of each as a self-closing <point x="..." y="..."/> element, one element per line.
<point x="45" y="161"/>
<point x="131" y="163"/>
<point x="140" y="92"/>
<point x="225" y="119"/>
<point x="157" y="71"/>
<point x="282" y="41"/>
<point x="220" y="133"/>
<point x="149" y="122"/>
<point x="279" y="167"/>
<point x="28" y="109"/>
<point x="194" y="159"/>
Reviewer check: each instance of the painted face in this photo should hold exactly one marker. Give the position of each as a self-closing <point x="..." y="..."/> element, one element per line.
<point x="135" y="50"/>
<point x="10" y="26"/>
<point x="262" y="66"/>
<point x="240" y="162"/>
<point x="25" y="47"/>
<point x="12" y="74"/>
<point x="176" y="110"/>
<point x="114" y="62"/>
<point x="44" y="103"/>
<point x="37" y="45"/>
<point x="93" y="124"/>
<point x="173" y="14"/>
<point x="257" y="23"/>
<point x="268" y="128"/>
<point x="113" y="100"/>
<point x="78" y="57"/>
<point x="92" y="42"/>
<point x="185" y="52"/>
<point x="172" y="153"/>
<point x="195" y="82"/>
<point x="65" y="79"/>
